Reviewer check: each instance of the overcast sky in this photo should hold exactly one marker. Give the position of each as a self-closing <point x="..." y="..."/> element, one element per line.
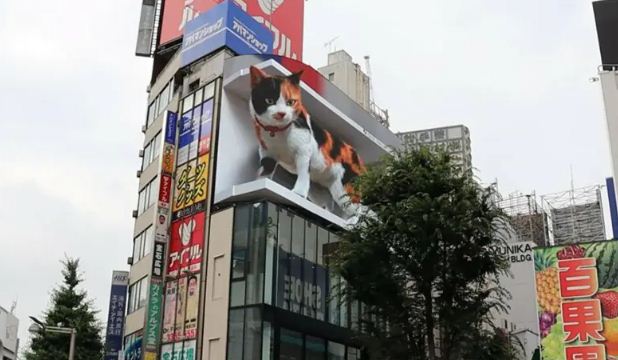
<point x="73" y="100"/>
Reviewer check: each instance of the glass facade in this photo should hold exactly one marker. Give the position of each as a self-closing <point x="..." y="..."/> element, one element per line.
<point x="280" y="266"/>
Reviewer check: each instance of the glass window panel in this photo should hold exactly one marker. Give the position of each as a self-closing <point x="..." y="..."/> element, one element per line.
<point x="187" y="103"/>
<point x="255" y="266"/>
<point x="336" y="351"/>
<point x="156" y="146"/>
<point x="296" y="264"/>
<point x="235" y="336"/>
<point x="199" y="96"/>
<point x="151" y="114"/>
<point x="238" y="293"/>
<point x="253" y="333"/>
<point x="322" y="242"/>
<point x="290" y="345"/>
<point x="310" y="291"/>
<point x="267" y="342"/>
<point x="148" y="240"/>
<point x="344" y="304"/>
<point x="333" y="300"/>
<point x="353" y="353"/>
<point x="239" y="245"/>
<point x="141" y="201"/>
<point x="283" y="263"/>
<point x="271" y="246"/>
<point x="143" y="293"/>
<point x="315" y="348"/>
<point x="164" y="97"/>
<point x="136" y="247"/>
<point x="146" y="157"/>
<point x="310" y="242"/>
<point x="209" y="90"/>
<point x="354" y="315"/>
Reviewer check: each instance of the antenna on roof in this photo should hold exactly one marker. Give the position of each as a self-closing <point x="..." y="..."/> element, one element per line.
<point x="330" y="44"/>
<point x="13" y="306"/>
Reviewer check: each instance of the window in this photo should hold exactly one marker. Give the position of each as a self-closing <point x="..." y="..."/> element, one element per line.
<point x="239" y="254"/>
<point x="290" y="345"/>
<point x="315" y="348"/>
<point x="138" y="292"/>
<point x="336" y="351"/>
<point x="283" y="263"/>
<point x="159" y="104"/>
<point x="147" y="196"/>
<point x="151" y="150"/>
<point x="253" y="333"/>
<point x="142" y="244"/>
<point x="235" y="336"/>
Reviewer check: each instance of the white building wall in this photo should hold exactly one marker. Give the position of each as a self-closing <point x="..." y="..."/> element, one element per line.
<point x="9" y="343"/>
<point x="609" y="86"/>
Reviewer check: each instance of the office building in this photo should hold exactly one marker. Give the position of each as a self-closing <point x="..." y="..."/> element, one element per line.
<point x="9" y="343"/>
<point x="453" y="139"/>
<point x="226" y="264"/>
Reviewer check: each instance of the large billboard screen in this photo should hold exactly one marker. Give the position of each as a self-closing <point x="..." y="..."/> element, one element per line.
<point x="269" y="132"/>
<point x="284" y="18"/>
<point x="577" y="300"/>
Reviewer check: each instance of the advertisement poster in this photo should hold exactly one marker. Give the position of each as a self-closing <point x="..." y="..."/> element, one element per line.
<point x="134" y="350"/>
<point x="169" y="313"/>
<point x="284" y="18"/>
<point x="193" y="296"/>
<point x="115" y="317"/>
<point x="153" y="316"/>
<point x="181" y="307"/>
<point x="577" y="300"/>
<point x="186" y="245"/>
<point x="179" y="351"/>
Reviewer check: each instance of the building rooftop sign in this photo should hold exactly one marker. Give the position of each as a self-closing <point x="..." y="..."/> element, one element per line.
<point x="224" y="25"/>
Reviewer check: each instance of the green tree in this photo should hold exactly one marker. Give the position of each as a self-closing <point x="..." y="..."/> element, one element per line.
<point x="69" y="308"/>
<point x="422" y="260"/>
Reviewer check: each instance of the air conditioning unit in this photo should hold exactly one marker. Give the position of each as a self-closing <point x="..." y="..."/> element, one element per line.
<point x="130" y="260"/>
<point x="134" y="214"/>
<point x="138" y="173"/>
<point x="144" y="127"/>
<point x="141" y="153"/>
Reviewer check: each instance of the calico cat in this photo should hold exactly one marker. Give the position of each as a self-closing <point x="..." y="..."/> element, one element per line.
<point x="287" y="137"/>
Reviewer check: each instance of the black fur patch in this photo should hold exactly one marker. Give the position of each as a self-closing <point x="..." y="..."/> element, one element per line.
<point x="269" y="88"/>
<point x="337" y="145"/>
<point x="301" y="122"/>
<point x="268" y="166"/>
<point x="319" y="134"/>
<point x="348" y="174"/>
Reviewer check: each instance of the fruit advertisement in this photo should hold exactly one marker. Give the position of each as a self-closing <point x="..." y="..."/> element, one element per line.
<point x="577" y="300"/>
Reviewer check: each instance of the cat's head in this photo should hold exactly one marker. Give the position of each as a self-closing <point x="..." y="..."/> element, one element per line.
<point x="275" y="100"/>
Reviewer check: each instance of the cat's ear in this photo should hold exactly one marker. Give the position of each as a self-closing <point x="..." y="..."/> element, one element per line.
<point x="257" y="75"/>
<point x="295" y="77"/>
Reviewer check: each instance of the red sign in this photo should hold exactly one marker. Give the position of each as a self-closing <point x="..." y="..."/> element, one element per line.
<point x="165" y="191"/>
<point x="283" y="17"/>
<point x="186" y="245"/>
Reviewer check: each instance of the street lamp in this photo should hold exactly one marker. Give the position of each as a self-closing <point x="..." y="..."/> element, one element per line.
<point x="38" y="325"/>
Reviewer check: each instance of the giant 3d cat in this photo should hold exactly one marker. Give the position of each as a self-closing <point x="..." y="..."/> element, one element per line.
<point x="288" y="137"/>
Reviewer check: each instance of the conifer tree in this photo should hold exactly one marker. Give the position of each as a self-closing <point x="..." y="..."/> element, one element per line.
<point x="69" y="308"/>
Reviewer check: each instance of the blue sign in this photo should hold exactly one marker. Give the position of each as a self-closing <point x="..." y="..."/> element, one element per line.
<point x="115" y="317"/>
<point x="224" y="25"/>
<point x="170" y="127"/>
<point x="613" y="209"/>
<point x="134" y="350"/>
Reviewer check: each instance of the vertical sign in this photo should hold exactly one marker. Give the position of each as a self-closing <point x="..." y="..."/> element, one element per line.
<point x="187" y="239"/>
<point x="115" y="317"/>
<point x="152" y="333"/>
<point x="577" y="300"/>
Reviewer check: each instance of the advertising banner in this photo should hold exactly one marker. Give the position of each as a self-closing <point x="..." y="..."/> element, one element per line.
<point x="169" y="314"/>
<point x="181" y="308"/>
<point x="152" y="333"/>
<point x="577" y="300"/>
<point x="170" y="127"/>
<point x="179" y="351"/>
<point x="165" y="191"/>
<point x="193" y="296"/>
<point x="224" y="25"/>
<point x="134" y="350"/>
<point x="115" y="317"/>
<point x="284" y="18"/>
<point x="186" y="245"/>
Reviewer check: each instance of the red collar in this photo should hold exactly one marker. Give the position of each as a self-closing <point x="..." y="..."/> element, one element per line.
<point x="272" y="130"/>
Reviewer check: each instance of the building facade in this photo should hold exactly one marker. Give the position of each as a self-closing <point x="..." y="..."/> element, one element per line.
<point x="453" y="139"/>
<point x="9" y="343"/>
<point x="227" y="264"/>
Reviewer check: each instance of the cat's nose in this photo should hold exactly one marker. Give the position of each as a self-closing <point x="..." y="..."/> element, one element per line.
<point x="279" y="116"/>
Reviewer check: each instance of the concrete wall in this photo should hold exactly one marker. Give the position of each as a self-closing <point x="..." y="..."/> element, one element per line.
<point x="609" y="85"/>
<point x="215" y="312"/>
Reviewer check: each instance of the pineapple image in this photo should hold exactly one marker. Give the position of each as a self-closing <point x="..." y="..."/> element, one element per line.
<point x="547" y="283"/>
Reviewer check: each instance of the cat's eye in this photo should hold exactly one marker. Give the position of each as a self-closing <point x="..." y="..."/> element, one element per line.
<point x="269" y="101"/>
<point x="290" y="102"/>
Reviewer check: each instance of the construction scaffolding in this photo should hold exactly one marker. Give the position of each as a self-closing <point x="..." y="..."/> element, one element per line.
<point x="576" y="215"/>
<point x="528" y="218"/>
